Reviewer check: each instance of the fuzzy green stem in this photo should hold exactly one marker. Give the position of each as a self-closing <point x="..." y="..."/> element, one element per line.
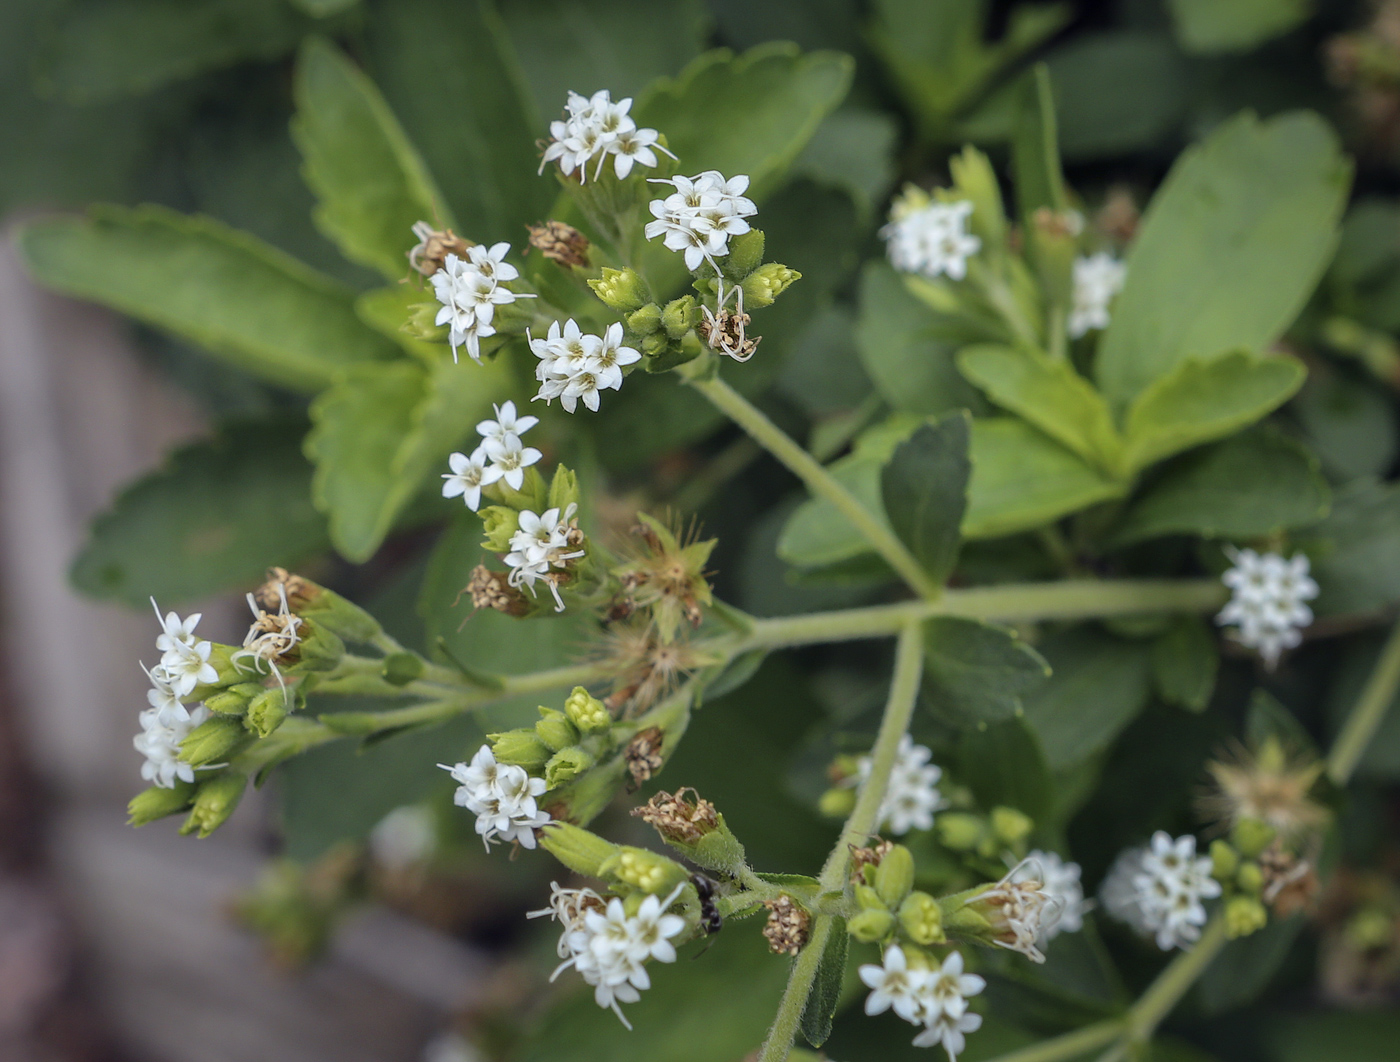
<point x="1366" y="715"/>
<point x="899" y="708"/>
<point x="819" y="481"/>
<point x="1173" y="982"/>
<point x="1070" y="1045"/>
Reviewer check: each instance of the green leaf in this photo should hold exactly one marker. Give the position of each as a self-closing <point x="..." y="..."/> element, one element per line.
<point x="387" y="309"/>
<point x="1381" y="759"/>
<point x="817" y="534"/>
<point x="1035" y="152"/>
<point x="1198" y="401"/>
<point x="1244" y="968"/>
<point x="1356" y="550"/>
<point x="1047" y="392"/>
<point x="853" y="150"/>
<point x="751" y="113"/>
<point x="1212" y="26"/>
<point x="924" y="490"/>
<point x="976" y="672"/>
<point x="369" y="180"/>
<point x="212" y="518"/>
<point x="1003" y="765"/>
<point x="1258" y="483"/>
<point x="1230" y="248"/>
<point x="821" y="1005"/>
<point x="1356" y="1036"/>
<point x="324" y="8"/>
<point x="381" y="430"/>
<point x="1185" y="661"/>
<point x="1098" y="685"/>
<point x="1349" y="423"/>
<point x="242" y="300"/>
<point x="1021" y="479"/>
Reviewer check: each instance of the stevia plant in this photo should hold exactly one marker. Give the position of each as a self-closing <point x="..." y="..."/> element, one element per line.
<point x="1063" y="501"/>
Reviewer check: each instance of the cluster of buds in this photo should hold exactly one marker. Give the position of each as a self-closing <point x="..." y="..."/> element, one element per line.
<point x="1258" y="873"/>
<point x="989" y="836"/>
<point x="535" y="530"/>
<point x="563" y="744"/>
<point x="888" y="906"/>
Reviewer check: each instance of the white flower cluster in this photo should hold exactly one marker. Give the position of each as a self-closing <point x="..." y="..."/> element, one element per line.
<point x="609" y="947"/>
<point x="596" y="127"/>
<point x="700" y="215"/>
<point x="574" y="364"/>
<point x="501" y="796"/>
<point x="184" y="664"/>
<point x="1097" y="279"/>
<point x="1267" y="601"/>
<point x="1060" y="881"/>
<point x="541" y="544"/>
<point x="160" y="744"/>
<point x="931" y="240"/>
<point x="501" y="456"/>
<point x="470" y="289"/>
<point x="912" y="796"/>
<point x="1159" y="889"/>
<point x="934" y="997"/>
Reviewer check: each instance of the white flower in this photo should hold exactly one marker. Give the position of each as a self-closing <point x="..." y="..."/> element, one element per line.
<point x="574" y="364"/>
<point x="406" y="837"/>
<point x="501" y="796"/>
<point x="160" y="744"/>
<point x="1020" y="910"/>
<point x="1097" y="279"/>
<point x="1060" y="881"/>
<point x="950" y="1032"/>
<point x="467" y="477"/>
<point x="912" y="796"/>
<point x="608" y="359"/>
<point x="1267" y="603"/>
<point x="701" y="215"/>
<point x="163" y="699"/>
<point x="539" y="545"/>
<point x="509" y="459"/>
<point x="184" y="662"/>
<point x="1158" y="890"/>
<point x="894" y="985"/>
<point x="470" y="289"/>
<point x="935" y="998"/>
<point x="596" y="127"/>
<point x="507" y="422"/>
<point x="931" y="240"/>
<point x="567" y="907"/>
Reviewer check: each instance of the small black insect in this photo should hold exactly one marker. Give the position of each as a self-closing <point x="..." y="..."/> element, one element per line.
<point x="710" y="917"/>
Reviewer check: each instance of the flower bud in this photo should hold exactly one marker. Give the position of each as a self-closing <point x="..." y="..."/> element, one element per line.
<point x="645" y="321"/>
<point x="399" y="669"/>
<point x="1252" y="836"/>
<point x="871" y="926"/>
<point x="563" y="489"/>
<point x="765" y="284"/>
<point x="214" y="803"/>
<point x="894" y="877"/>
<point x="622" y="290"/>
<point x="555" y="730"/>
<point x="234" y="700"/>
<point x="499" y="524"/>
<point x="521" y="748"/>
<point x="868" y="899"/>
<point x="960" y="830"/>
<point x="567" y="764"/>
<point x="578" y="849"/>
<point x="837" y="803"/>
<point x="680" y="316"/>
<point x="157" y="802"/>
<point x="320" y="648"/>
<point x="922" y="919"/>
<point x="1250" y="878"/>
<point x="1244" y="915"/>
<point x="216" y="740"/>
<point x="1010" y="825"/>
<point x="745" y="253"/>
<point x="267" y="710"/>
<point x="422" y="322"/>
<point x="587" y="712"/>
<point x="1225" y="861"/>
<point x="642" y="869"/>
<point x="656" y="344"/>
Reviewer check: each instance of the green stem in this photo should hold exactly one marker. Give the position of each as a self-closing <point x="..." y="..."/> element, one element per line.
<point x="1366" y="715"/>
<point x="904" y="689"/>
<point x="819" y="481"/>
<point x="1070" y="1045"/>
<point x="1173" y="982"/>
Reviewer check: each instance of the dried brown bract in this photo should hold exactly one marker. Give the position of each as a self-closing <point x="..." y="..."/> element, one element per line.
<point x="430" y="252"/>
<point x="560" y="243"/>
<point x="863" y="857"/>
<point x="789" y="926"/>
<point x="679" y="819"/>
<point x="492" y="590"/>
<point x="643" y="754"/>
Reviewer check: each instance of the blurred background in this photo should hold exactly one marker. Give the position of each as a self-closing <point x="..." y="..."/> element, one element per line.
<point x="117" y="944"/>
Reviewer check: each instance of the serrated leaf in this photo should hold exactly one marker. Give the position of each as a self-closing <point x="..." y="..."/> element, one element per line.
<point x="1003" y="765"/>
<point x="821" y="1006"/>
<point x="976" y="672"/>
<point x="1198" y="401"/>
<point x="370" y="183"/>
<point x="1258" y="483"/>
<point x="251" y="305"/>
<point x="212" y="518"/>
<point x="1229" y="249"/>
<point x="924" y="491"/>
<point x="1185" y="661"/>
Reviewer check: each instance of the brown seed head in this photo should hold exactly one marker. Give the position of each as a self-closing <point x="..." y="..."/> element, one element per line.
<point x="863" y="857"/>
<point x="643" y="754"/>
<point x="560" y="243"/>
<point x="430" y="252"/>
<point x="727" y="332"/>
<point x="679" y="819"/>
<point x="789" y="926"/>
<point x="490" y="589"/>
<point x="300" y="592"/>
<point x="1290" y="883"/>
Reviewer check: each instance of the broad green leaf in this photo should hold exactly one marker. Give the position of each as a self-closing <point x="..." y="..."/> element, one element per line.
<point x="369" y="180"/>
<point x="1244" y="968"/>
<point x="1212" y="26"/>
<point x="1356" y="550"/>
<point x="1022" y="478"/>
<point x="976" y="673"/>
<point x="1047" y="392"/>
<point x="1229" y="249"/>
<point x="1321" y="1036"/>
<point x="1198" y="401"/>
<point x="750" y="113"/>
<point x="447" y="71"/>
<point x="212" y="518"/>
<point x="1035" y="152"/>
<point x="826" y="991"/>
<point x="817" y="534"/>
<point x="924" y="490"/>
<point x="1348" y="423"/>
<point x="853" y="150"/>
<point x="1003" y="765"/>
<point x="1257" y="483"/>
<point x="1185" y="661"/>
<point x="1098" y="684"/>
<point x="381" y="430"/>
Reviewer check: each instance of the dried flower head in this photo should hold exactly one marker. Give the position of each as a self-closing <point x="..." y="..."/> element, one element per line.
<point x="665" y="573"/>
<point x="1270" y="784"/>
<point x="645" y="669"/>
<point x="299" y="592"/>
<point x="273" y="637"/>
<point x="863" y="857"/>
<point x="643" y="754"/>
<point x="789" y="926"/>
<point x="1290" y="882"/>
<point x="430" y="252"/>
<point x="560" y="243"/>
<point x="679" y="819"/>
<point x="727" y="332"/>
<point x="492" y="590"/>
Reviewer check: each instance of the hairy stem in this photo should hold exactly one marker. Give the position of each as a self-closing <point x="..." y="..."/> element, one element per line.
<point x="1070" y="1045"/>
<point x="819" y="481"/>
<point x="1366" y="715"/>
<point x="904" y="689"/>
<point x="1173" y="982"/>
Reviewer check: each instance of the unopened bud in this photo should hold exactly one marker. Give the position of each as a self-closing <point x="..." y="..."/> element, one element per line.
<point x="922" y="919"/>
<point x="399" y="669"/>
<point x="567" y="764"/>
<point x="622" y="290"/>
<point x="560" y="243"/>
<point x="555" y="730"/>
<point x="1010" y="825"/>
<point x="868" y="899"/>
<point x="680" y="316"/>
<point x="837" y="803"/>
<point x="320" y="648"/>
<point x="1244" y="915"/>
<point x="216" y="740"/>
<point x="655" y="345"/>
<point x="1224" y="860"/>
<point x="214" y="803"/>
<point x="587" y="712"/>
<point x="645" y="321"/>
<point x="894" y="877"/>
<point x="521" y="748"/>
<point x="578" y="849"/>
<point x="267" y="711"/>
<point x="1252" y="836"/>
<point x="1250" y="878"/>
<point x="234" y="700"/>
<point x="500" y="525"/>
<point x="960" y="830"/>
<point x="157" y="802"/>
<point x="643" y="869"/>
<point x="871" y="926"/>
<point x="745" y="253"/>
<point x="766" y="283"/>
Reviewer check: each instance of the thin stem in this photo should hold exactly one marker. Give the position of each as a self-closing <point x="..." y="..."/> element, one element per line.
<point x="1070" y="1045"/>
<point x="819" y="481"/>
<point x="799" y="987"/>
<point x="1173" y="982"/>
<point x="1368" y="712"/>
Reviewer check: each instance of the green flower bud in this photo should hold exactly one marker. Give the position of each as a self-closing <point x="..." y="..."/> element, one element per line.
<point x="567" y="764"/>
<point x="156" y="803"/>
<point x="555" y="730"/>
<point x="1251" y="836"/>
<point x="622" y="290"/>
<point x="894" y="877"/>
<point x="581" y="851"/>
<point x="267" y="710"/>
<point x="960" y="830"/>
<point x="643" y="869"/>
<point x="922" y="919"/>
<point x="333" y="613"/>
<point x="320" y="648"/>
<point x="871" y="926"/>
<point x="399" y="669"/>
<point x="499" y="524"/>
<point x="745" y="253"/>
<point x="563" y="489"/>
<point x="655" y="345"/>
<point x="1250" y="878"/>
<point x="422" y="322"/>
<point x="1244" y="915"/>
<point x="720" y="850"/>
<point x="1010" y="825"/>
<point x="234" y="700"/>
<point x="587" y="712"/>
<point x="868" y="899"/>
<point x="680" y="316"/>
<point x="765" y="284"/>
<point x="214" y="803"/>
<point x="1224" y="860"/>
<point x="216" y="740"/>
<point x="837" y="803"/>
<point x="522" y="748"/>
<point x="645" y="321"/>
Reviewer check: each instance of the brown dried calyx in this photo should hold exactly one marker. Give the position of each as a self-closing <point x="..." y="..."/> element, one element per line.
<point x="679" y="819"/>
<point x="492" y="590"/>
<point x="643" y="754"/>
<point x="863" y="857"/>
<point x="560" y="243"/>
<point x="430" y="252"/>
<point x="1290" y="883"/>
<point x="789" y="926"/>
<point x="300" y="592"/>
<point x="726" y="332"/>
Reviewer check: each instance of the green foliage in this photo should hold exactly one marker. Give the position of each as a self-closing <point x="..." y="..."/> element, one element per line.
<point x="826" y="992"/>
<point x="1357" y="550"/>
<point x="1235" y="25"/>
<point x="976" y="673"/>
<point x="1366" y="1036"/>
<point x="1004" y="766"/>
<point x="923" y="487"/>
<point x="1185" y="662"/>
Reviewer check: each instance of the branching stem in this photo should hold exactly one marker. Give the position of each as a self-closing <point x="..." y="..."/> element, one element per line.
<point x="1366" y="715"/>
